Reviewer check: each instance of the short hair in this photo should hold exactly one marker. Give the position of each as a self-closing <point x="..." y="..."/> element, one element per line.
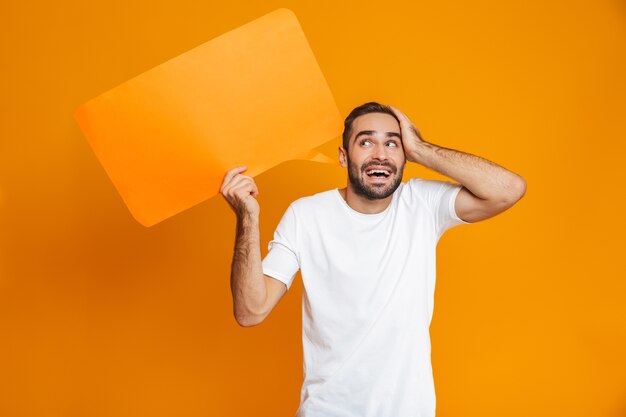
<point x="371" y="107"/>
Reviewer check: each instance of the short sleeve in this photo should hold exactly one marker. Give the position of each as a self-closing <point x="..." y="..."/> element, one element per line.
<point x="440" y="197"/>
<point x="282" y="261"/>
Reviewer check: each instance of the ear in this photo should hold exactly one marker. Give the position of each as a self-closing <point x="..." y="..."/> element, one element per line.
<point x="343" y="158"/>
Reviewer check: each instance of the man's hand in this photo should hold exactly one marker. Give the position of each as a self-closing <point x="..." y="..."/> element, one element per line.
<point x="488" y="188"/>
<point x="411" y="137"/>
<point x="240" y="191"/>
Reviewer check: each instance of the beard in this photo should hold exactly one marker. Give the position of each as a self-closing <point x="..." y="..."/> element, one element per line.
<point x="357" y="177"/>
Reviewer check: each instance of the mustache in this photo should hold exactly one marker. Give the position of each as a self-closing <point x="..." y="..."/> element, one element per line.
<point x="390" y="166"/>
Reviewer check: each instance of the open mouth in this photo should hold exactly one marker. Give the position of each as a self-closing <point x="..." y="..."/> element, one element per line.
<point x="378" y="173"/>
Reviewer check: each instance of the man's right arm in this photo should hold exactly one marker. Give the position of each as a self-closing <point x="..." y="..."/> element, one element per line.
<point x="254" y="294"/>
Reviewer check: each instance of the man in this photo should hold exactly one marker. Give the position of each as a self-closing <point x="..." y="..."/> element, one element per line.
<point x="367" y="258"/>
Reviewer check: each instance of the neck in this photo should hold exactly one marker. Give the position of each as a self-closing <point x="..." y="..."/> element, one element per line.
<point x="361" y="204"/>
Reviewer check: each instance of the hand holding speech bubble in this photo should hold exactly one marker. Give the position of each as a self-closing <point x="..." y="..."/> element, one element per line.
<point x="253" y="96"/>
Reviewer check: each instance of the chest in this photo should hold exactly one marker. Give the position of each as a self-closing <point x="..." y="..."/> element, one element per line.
<point x="352" y="252"/>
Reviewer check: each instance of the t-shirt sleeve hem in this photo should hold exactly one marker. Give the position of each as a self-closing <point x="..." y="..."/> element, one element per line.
<point x="451" y="203"/>
<point x="278" y="276"/>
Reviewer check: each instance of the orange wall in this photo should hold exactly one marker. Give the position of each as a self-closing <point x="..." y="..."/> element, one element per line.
<point x="100" y="316"/>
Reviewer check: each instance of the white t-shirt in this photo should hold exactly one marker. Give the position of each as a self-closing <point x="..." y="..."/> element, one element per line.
<point x="367" y="302"/>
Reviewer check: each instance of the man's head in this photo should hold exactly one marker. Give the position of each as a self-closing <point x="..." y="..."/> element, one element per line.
<point x="372" y="140"/>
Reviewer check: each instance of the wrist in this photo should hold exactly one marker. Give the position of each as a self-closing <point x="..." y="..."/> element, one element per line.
<point x="247" y="217"/>
<point x="420" y="153"/>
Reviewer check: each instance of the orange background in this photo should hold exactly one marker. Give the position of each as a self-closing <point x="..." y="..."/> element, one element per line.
<point x="100" y="316"/>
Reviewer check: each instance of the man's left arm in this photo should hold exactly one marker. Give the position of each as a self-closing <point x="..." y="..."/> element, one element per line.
<point x="488" y="189"/>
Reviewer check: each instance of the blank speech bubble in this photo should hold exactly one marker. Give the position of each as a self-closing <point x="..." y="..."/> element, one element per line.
<point x="253" y="96"/>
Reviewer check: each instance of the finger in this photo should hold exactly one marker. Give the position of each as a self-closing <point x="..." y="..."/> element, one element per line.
<point x="415" y="131"/>
<point x="230" y="174"/>
<point x="243" y="190"/>
<point x="233" y="172"/>
<point x="248" y="180"/>
<point x="399" y="113"/>
<point x="395" y="110"/>
<point x="253" y="190"/>
<point x="245" y="179"/>
<point x="256" y="190"/>
<point x="406" y="122"/>
<point x="236" y="182"/>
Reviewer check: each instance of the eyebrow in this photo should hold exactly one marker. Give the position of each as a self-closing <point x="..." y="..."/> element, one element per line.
<point x="370" y="132"/>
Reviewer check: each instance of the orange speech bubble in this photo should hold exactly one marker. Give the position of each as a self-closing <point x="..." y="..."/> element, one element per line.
<point x="253" y="96"/>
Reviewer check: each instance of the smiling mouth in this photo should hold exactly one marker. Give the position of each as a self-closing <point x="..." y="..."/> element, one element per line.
<point x="378" y="173"/>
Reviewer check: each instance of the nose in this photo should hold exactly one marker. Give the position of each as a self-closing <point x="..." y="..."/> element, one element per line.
<point x="380" y="152"/>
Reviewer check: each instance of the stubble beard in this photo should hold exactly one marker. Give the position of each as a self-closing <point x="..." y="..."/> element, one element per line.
<point x="373" y="192"/>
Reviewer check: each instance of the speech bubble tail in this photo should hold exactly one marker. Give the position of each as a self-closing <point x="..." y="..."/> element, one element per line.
<point x="316" y="156"/>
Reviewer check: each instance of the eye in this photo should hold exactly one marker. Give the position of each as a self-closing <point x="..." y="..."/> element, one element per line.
<point x="364" y="140"/>
<point x="395" y="145"/>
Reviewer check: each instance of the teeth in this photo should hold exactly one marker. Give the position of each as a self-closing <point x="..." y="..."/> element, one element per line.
<point x="375" y="171"/>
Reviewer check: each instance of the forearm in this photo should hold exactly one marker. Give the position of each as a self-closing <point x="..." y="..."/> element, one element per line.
<point x="483" y="178"/>
<point x="246" y="280"/>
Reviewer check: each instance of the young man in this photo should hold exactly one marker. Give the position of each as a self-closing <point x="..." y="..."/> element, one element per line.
<point x="367" y="258"/>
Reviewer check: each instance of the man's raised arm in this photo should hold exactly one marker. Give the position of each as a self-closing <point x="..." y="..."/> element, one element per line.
<point x="253" y="298"/>
<point x="488" y="188"/>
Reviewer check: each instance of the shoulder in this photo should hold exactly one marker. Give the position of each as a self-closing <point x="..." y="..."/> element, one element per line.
<point x="431" y="193"/>
<point x="315" y="200"/>
<point x="423" y="186"/>
<point x="311" y="203"/>
<point x="414" y="188"/>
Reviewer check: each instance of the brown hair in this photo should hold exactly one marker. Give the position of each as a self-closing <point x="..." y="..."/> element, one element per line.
<point x="371" y="107"/>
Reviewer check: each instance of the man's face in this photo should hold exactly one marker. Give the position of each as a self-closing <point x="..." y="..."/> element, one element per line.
<point x="375" y="145"/>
